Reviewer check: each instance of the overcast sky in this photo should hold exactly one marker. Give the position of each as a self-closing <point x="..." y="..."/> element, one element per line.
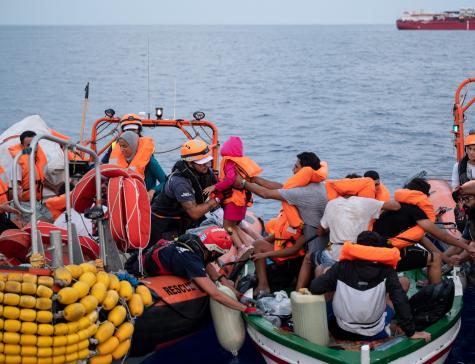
<point x="79" y="12"/>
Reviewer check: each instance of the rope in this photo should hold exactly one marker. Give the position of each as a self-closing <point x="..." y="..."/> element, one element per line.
<point x="37" y="260"/>
<point x="210" y="139"/>
<point x="167" y="151"/>
<point x="99" y="264"/>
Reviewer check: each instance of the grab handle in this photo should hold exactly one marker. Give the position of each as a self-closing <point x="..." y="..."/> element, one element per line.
<point x="67" y="144"/>
<point x="16" y="199"/>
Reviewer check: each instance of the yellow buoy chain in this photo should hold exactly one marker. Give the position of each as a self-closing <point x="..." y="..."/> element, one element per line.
<point x="55" y="319"/>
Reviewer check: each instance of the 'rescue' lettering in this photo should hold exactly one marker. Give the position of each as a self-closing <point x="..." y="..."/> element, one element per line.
<point x="179" y="288"/>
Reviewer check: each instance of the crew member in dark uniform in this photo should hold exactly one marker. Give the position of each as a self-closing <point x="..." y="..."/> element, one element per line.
<point x="181" y="204"/>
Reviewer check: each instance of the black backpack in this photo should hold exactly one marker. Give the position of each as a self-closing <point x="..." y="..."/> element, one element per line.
<point x="431" y="303"/>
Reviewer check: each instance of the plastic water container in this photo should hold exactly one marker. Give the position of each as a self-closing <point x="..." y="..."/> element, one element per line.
<point x="309" y="313"/>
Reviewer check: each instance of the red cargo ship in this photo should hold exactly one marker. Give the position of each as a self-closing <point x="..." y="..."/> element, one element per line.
<point x="464" y="19"/>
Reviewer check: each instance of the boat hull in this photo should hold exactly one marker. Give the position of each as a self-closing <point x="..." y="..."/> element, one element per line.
<point x="180" y="309"/>
<point x="276" y="353"/>
<point x="436" y="25"/>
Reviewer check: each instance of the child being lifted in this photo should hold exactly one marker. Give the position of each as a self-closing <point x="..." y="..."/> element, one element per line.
<point x="236" y="198"/>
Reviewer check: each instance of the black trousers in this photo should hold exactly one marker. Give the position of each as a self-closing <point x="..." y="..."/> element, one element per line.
<point x="6" y="223"/>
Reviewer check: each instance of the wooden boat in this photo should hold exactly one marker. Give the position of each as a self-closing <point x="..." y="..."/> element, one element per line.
<point x="283" y="346"/>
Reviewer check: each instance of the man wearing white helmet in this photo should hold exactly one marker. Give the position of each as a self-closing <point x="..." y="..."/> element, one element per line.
<point x="181" y="203"/>
<point x="464" y="170"/>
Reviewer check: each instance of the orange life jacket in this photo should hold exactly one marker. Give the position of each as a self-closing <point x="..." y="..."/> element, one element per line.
<point x="285" y="236"/>
<point x="382" y="193"/>
<point x="415" y="233"/>
<point x="141" y="159"/>
<point x="246" y="168"/>
<point x="388" y="256"/>
<point x="302" y="178"/>
<point x="3" y="188"/>
<point x="56" y="205"/>
<point x="362" y="187"/>
<point x="40" y="164"/>
<point x="287" y="227"/>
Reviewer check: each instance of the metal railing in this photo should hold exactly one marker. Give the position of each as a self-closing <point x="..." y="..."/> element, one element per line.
<point x="68" y="145"/>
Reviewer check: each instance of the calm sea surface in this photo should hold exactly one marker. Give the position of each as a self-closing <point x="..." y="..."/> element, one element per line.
<point x="361" y="97"/>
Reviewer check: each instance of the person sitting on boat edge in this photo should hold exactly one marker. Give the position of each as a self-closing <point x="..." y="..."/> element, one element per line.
<point x="382" y="193"/>
<point x="360" y="280"/>
<point x="303" y="199"/>
<point x="23" y="174"/>
<point x="181" y="204"/>
<point x="465" y="196"/>
<point x="5" y="208"/>
<point x="190" y="256"/>
<point x="464" y="170"/>
<point x="132" y="153"/>
<point x="347" y="215"/>
<point x="406" y="227"/>
<point x="234" y="163"/>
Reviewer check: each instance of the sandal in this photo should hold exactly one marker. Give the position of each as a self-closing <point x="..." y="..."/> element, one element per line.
<point x="239" y="264"/>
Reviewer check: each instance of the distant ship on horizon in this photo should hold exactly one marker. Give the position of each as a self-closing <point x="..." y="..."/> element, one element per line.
<point x="463" y="19"/>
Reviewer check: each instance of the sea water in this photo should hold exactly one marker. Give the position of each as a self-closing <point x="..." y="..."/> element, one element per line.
<point x="361" y="97"/>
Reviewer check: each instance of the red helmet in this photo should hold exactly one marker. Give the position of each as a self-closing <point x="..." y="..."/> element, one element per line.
<point x="216" y="239"/>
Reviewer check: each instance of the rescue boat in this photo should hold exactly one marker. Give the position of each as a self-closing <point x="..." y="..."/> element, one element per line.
<point x="179" y="307"/>
<point x="278" y="345"/>
<point x="58" y="308"/>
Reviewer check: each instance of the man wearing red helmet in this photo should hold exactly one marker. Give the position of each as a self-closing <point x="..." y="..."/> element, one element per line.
<point x="190" y="256"/>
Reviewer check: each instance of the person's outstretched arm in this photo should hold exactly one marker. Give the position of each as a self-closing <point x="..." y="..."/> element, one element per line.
<point x="391" y="205"/>
<point x="431" y="228"/>
<point x="263" y="192"/>
<point x="210" y="288"/>
<point x="271" y="185"/>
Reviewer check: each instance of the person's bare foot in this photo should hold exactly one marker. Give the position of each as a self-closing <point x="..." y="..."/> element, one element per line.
<point x="245" y="252"/>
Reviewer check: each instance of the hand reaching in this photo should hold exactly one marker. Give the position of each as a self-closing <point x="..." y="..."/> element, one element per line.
<point x="421" y="335"/>
<point x="455" y="259"/>
<point x="256" y="256"/>
<point x="252" y="311"/>
<point x="209" y="190"/>
<point x="7" y="208"/>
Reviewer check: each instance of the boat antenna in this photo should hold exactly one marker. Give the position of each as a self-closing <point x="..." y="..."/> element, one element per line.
<point x="174" y="101"/>
<point x="148" y="76"/>
<point x="84" y="111"/>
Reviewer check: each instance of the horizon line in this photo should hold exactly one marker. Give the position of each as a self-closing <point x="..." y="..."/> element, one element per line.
<point x="190" y="24"/>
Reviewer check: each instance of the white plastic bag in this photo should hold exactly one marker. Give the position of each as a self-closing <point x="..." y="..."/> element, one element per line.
<point x="277" y="305"/>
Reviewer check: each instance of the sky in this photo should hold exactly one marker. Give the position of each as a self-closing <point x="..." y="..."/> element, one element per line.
<point x="108" y="12"/>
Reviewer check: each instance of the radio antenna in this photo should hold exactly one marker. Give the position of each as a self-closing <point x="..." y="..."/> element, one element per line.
<point x="148" y="76"/>
<point x="174" y="101"/>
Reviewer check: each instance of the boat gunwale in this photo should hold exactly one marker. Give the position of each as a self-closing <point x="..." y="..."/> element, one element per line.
<point x="330" y="355"/>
